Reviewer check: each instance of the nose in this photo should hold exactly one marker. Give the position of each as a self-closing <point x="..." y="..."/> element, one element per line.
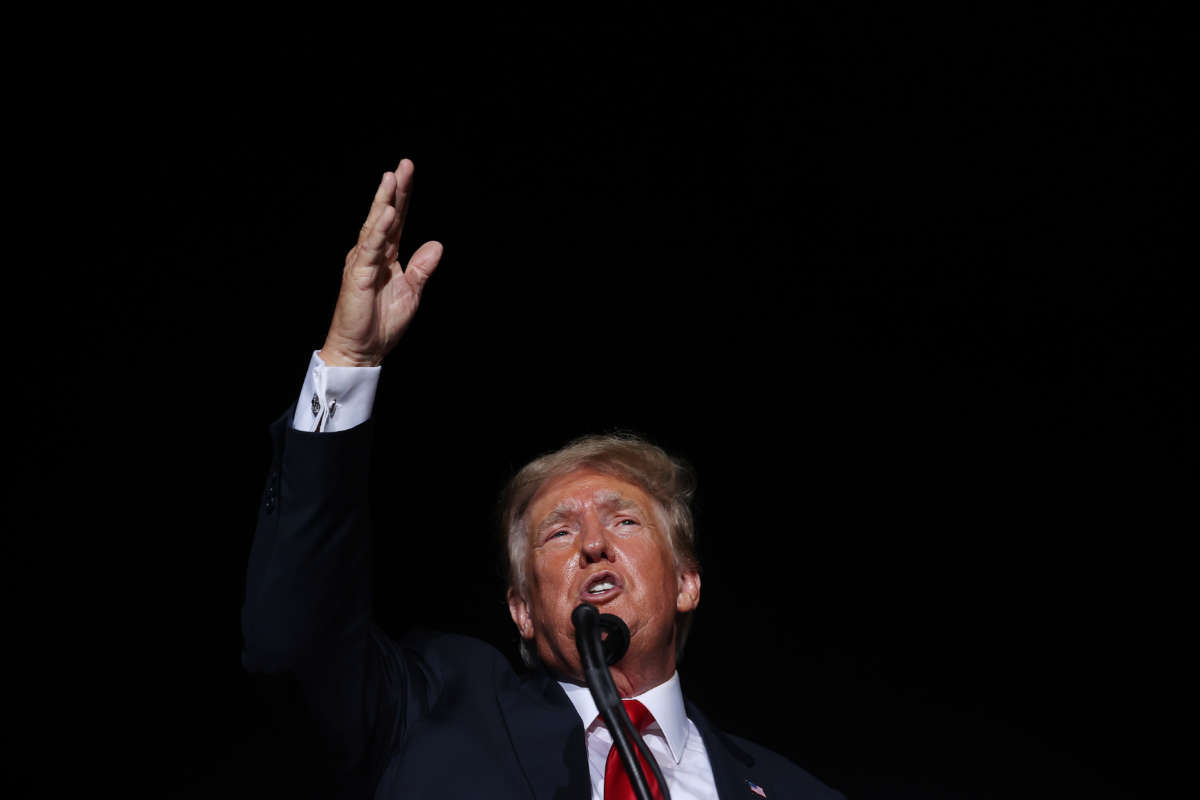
<point x="594" y="544"/>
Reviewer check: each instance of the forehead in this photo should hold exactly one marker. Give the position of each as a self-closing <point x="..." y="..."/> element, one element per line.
<point x="582" y="488"/>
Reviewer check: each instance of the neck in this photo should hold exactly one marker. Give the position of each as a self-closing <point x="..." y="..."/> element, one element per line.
<point x="631" y="676"/>
<point x="631" y="682"/>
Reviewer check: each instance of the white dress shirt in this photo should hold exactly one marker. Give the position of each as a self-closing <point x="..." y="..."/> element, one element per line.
<point x="335" y="398"/>
<point x="339" y="398"/>
<point x="672" y="738"/>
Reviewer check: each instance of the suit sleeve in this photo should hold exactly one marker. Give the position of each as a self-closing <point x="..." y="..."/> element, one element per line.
<point x="308" y="599"/>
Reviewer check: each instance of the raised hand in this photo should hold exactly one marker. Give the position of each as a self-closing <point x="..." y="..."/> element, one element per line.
<point x="378" y="298"/>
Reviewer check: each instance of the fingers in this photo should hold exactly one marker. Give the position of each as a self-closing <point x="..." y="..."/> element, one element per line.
<point x="379" y="238"/>
<point x="394" y="190"/>
<point x="422" y="264"/>
<point x="403" y="174"/>
<point x="374" y="244"/>
<point x="384" y="195"/>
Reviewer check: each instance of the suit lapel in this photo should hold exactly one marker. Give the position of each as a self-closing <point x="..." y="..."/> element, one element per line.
<point x="549" y="742"/>
<point x="547" y="737"/>
<point x="731" y="765"/>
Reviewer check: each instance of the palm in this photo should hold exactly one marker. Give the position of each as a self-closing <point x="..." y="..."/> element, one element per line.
<point x="379" y="297"/>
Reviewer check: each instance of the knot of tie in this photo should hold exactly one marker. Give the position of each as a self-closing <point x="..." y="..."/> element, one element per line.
<point x="639" y="715"/>
<point x="617" y="785"/>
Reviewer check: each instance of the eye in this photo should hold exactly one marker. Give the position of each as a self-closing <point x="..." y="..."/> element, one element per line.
<point x="628" y="522"/>
<point x="561" y="532"/>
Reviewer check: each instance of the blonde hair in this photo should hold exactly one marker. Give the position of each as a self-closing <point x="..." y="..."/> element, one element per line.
<point x="668" y="480"/>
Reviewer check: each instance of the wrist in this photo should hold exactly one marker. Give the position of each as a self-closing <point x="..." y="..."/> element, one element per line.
<point x="338" y="357"/>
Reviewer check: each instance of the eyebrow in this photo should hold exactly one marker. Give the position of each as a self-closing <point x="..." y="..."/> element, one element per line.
<point x="559" y="514"/>
<point x="612" y="500"/>
<point x="609" y="500"/>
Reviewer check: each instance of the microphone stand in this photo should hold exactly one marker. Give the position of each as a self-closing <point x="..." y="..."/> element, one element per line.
<point x="596" y="658"/>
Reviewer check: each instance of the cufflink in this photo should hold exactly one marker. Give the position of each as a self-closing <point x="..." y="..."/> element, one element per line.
<point x="316" y="405"/>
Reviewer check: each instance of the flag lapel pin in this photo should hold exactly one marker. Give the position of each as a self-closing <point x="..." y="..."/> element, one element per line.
<point x="754" y="787"/>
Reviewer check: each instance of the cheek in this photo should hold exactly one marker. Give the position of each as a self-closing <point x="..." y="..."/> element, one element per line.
<point x="550" y="574"/>
<point x="657" y="575"/>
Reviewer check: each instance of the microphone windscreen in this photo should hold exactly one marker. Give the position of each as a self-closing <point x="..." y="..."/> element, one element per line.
<point x="616" y="644"/>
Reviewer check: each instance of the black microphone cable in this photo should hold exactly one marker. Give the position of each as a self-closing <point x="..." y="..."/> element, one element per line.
<point x="596" y="657"/>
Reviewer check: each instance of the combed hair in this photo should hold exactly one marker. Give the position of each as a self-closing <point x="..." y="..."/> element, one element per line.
<point x="669" y="481"/>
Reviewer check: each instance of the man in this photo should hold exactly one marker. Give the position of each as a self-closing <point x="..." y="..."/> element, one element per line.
<point x="604" y="520"/>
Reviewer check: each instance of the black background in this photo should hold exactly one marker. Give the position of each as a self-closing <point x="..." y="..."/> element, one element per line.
<point x="901" y="286"/>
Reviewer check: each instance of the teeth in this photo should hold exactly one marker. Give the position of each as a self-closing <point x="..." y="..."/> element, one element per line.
<point x="603" y="586"/>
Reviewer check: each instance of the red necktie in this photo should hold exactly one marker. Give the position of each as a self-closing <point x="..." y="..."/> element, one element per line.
<point x="616" y="782"/>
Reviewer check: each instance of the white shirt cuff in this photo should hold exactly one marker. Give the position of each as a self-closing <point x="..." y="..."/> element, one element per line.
<point x="335" y="398"/>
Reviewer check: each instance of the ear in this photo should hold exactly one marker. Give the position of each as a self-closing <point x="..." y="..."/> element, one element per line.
<point x="689" y="591"/>
<point x="519" y="610"/>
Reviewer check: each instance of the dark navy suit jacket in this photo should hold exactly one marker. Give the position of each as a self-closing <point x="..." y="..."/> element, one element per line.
<point x="430" y="715"/>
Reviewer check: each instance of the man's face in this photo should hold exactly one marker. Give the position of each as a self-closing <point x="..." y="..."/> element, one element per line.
<point x="598" y="539"/>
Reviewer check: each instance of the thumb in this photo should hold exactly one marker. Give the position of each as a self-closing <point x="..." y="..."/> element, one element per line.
<point x="422" y="264"/>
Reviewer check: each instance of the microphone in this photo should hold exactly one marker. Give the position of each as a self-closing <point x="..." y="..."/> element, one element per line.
<point x="586" y="619"/>
<point x="589" y="622"/>
<point x="616" y="643"/>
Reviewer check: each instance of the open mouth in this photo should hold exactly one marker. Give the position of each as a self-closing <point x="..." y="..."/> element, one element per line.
<point x="600" y="587"/>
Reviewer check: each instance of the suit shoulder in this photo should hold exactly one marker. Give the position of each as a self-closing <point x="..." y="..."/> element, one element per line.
<point x="781" y="771"/>
<point x="764" y="766"/>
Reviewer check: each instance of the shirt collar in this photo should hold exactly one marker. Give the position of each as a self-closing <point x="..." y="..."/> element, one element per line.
<point x="664" y="701"/>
